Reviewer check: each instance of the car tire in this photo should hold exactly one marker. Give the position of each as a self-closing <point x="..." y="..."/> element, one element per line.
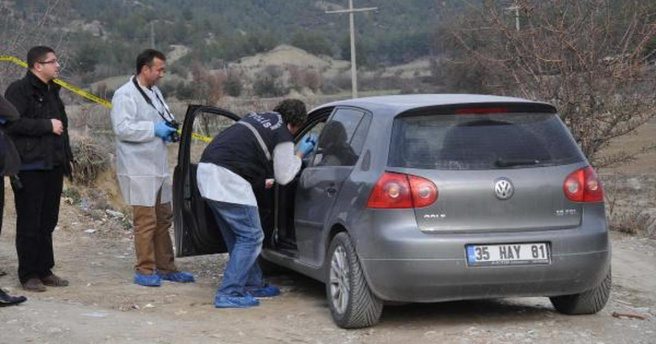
<point x="587" y="302"/>
<point x="351" y="302"/>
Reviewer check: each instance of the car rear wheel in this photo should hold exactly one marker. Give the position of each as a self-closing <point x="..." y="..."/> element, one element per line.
<point x="352" y="304"/>
<point x="587" y="302"/>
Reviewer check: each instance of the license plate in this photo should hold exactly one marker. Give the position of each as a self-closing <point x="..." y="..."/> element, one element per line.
<point x="508" y="254"/>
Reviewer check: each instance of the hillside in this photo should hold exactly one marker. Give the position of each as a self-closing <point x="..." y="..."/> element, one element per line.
<point x="286" y="56"/>
<point x="291" y="71"/>
<point x="101" y="37"/>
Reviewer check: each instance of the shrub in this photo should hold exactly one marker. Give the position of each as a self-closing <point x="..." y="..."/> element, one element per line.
<point x="91" y="159"/>
<point x="233" y="85"/>
<point x="627" y="213"/>
<point x="184" y="91"/>
<point x="269" y="83"/>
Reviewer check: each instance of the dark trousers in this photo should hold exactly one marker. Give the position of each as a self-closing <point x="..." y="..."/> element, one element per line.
<point x="37" y="212"/>
<point x="2" y="200"/>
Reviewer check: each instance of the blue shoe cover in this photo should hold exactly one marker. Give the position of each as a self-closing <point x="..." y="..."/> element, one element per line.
<point x="268" y="290"/>
<point x="147" y="280"/>
<point x="229" y="301"/>
<point x="179" y="276"/>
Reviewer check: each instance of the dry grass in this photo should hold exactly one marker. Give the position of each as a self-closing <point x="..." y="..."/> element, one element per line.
<point x="631" y="204"/>
<point x="91" y="159"/>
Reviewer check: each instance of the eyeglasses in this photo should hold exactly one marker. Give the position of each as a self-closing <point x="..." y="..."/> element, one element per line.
<point x="48" y="62"/>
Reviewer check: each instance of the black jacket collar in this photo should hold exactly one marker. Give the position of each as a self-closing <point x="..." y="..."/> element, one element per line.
<point x="36" y="82"/>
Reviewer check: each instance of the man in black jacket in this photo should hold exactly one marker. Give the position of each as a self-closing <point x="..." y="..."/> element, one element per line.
<point x="7" y="114"/>
<point x="41" y="138"/>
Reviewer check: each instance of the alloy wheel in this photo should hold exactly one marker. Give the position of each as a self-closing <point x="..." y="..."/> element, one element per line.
<point x="339" y="279"/>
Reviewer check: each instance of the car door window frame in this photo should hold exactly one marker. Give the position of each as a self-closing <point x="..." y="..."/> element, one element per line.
<point x="185" y="207"/>
<point x="365" y="116"/>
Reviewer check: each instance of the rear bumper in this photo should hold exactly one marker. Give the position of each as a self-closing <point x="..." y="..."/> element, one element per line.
<point x="443" y="280"/>
<point x="420" y="267"/>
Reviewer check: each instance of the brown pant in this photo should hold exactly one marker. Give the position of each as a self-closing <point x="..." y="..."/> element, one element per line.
<point x="152" y="241"/>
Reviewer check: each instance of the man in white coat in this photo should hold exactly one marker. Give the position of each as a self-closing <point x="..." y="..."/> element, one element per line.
<point x="143" y="126"/>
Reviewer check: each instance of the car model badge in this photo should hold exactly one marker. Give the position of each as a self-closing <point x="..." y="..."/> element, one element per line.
<point x="503" y="189"/>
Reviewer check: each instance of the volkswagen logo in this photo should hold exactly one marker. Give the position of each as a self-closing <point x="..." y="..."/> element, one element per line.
<point x="503" y="189"/>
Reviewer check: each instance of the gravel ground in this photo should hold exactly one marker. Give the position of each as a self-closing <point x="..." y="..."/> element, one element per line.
<point x="102" y="306"/>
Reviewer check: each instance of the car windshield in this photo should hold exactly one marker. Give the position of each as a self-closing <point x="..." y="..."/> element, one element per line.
<point x="485" y="141"/>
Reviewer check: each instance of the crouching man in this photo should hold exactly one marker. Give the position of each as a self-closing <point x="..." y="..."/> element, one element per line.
<point x="238" y="160"/>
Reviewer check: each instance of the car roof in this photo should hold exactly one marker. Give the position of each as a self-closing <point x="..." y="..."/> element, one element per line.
<point x="395" y="104"/>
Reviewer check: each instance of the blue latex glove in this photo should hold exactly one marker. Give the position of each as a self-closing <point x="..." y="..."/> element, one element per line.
<point x="163" y="131"/>
<point x="307" y="143"/>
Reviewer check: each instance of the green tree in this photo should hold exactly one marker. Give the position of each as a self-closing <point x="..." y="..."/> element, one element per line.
<point x="361" y="50"/>
<point x="86" y="58"/>
<point x="312" y="42"/>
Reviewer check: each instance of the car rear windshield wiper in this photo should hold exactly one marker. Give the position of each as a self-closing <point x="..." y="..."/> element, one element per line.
<point x="515" y="162"/>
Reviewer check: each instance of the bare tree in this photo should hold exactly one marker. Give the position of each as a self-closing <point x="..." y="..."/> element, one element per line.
<point x="587" y="57"/>
<point x="24" y="25"/>
<point x="208" y="85"/>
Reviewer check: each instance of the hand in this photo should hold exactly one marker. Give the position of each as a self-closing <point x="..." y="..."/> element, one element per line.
<point x="57" y="126"/>
<point x="163" y="131"/>
<point x="307" y="144"/>
<point x="268" y="183"/>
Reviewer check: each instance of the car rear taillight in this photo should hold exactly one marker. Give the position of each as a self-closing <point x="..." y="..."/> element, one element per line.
<point x="583" y="185"/>
<point x="398" y="190"/>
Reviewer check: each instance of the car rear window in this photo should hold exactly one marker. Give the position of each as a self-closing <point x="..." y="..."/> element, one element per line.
<point x="485" y="141"/>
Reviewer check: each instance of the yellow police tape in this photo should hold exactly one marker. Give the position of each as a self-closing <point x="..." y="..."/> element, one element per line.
<point x="88" y="95"/>
<point x="64" y="84"/>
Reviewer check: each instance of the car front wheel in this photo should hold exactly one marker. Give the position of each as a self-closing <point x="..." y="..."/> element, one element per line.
<point x="588" y="302"/>
<point x="352" y="304"/>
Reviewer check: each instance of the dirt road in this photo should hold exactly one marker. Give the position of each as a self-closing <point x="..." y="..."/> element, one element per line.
<point x="103" y="306"/>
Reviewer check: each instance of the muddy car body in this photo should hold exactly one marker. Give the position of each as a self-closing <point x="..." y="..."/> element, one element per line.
<point x="426" y="198"/>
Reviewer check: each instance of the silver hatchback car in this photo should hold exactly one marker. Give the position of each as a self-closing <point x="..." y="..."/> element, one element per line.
<point x="424" y="198"/>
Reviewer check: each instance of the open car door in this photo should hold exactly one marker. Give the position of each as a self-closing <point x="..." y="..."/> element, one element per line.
<point x="196" y="232"/>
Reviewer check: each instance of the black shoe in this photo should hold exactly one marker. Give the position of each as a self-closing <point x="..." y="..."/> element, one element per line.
<point x="53" y="280"/>
<point x="34" y="284"/>
<point x="8" y="300"/>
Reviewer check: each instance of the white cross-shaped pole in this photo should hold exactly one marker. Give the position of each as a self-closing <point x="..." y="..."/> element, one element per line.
<point x="350" y="11"/>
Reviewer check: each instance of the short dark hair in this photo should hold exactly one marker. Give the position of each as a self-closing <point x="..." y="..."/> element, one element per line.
<point x="292" y="111"/>
<point x="147" y="57"/>
<point x="36" y="54"/>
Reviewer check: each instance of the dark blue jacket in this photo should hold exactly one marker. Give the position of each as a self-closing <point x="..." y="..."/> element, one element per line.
<point x="239" y="149"/>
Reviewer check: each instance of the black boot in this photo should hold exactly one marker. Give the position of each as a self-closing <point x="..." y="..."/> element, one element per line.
<point x="8" y="300"/>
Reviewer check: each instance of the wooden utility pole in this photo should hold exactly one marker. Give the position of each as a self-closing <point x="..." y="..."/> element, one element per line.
<point x="515" y="7"/>
<point x="152" y="35"/>
<point x="350" y="11"/>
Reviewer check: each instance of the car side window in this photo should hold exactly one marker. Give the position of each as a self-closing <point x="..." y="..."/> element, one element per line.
<point x="357" y="142"/>
<point x="335" y="146"/>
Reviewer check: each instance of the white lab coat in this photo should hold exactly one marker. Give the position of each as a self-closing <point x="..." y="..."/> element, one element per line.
<point x="141" y="157"/>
